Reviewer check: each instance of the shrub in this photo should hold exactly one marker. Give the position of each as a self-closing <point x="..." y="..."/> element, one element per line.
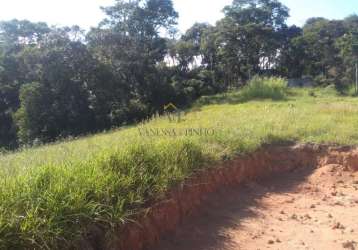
<point x="265" y="88"/>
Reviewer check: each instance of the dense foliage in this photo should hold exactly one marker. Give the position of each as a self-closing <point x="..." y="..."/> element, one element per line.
<point x="60" y="82"/>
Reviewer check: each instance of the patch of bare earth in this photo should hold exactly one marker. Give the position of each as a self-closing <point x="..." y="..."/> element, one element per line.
<point x="307" y="208"/>
<point x="307" y="199"/>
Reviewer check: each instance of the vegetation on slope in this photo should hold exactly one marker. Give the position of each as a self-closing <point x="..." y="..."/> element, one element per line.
<point x="51" y="194"/>
<point x="57" y="82"/>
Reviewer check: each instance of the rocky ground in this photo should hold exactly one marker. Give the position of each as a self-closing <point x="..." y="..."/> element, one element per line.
<point x="304" y="209"/>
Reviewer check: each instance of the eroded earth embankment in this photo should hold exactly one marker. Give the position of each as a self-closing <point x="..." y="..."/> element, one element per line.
<point x="279" y="197"/>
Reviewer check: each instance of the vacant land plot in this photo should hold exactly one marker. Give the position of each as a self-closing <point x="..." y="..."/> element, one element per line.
<point x="50" y="195"/>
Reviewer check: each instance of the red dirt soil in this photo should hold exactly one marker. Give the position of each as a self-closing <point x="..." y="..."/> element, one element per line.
<point x="306" y="199"/>
<point x="304" y="209"/>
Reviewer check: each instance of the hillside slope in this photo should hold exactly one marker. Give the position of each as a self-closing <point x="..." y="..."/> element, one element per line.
<point x="51" y="194"/>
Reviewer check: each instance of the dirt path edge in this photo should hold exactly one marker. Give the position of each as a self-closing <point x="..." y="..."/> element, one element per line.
<point x="185" y="200"/>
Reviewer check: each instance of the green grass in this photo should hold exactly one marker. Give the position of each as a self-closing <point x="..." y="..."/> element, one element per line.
<point x="258" y="88"/>
<point x="51" y="194"/>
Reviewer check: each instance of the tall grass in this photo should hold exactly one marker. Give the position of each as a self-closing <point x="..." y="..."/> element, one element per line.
<point x="265" y="88"/>
<point x="273" y="88"/>
<point x="51" y="205"/>
<point x="50" y="196"/>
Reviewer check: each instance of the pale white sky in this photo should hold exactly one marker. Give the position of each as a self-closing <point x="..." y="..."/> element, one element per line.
<point x="86" y="13"/>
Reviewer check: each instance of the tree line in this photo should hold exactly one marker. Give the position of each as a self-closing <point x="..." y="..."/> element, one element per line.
<point x="57" y="82"/>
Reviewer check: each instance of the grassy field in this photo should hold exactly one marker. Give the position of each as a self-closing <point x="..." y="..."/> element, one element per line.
<point x="51" y="194"/>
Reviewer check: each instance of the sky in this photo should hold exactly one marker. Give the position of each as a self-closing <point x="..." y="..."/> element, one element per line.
<point x="86" y="13"/>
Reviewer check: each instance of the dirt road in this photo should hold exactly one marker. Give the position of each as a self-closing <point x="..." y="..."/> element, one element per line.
<point x="305" y="209"/>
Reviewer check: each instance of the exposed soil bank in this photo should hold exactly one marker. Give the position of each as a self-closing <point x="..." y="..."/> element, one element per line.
<point x="307" y="208"/>
<point x="187" y="200"/>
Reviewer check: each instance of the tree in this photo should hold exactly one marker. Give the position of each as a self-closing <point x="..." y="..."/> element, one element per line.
<point x="31" y="117"/>
<point x="8" y="137"/>
<point x="15" y="38"/>
<point x="249" y="37"/>
<point x="58" y="105"/>
<point x="22" y="32"/>
<point x="291" y="59"/>
<point x="129" y="42"/>
<point x="319" y="43"/>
